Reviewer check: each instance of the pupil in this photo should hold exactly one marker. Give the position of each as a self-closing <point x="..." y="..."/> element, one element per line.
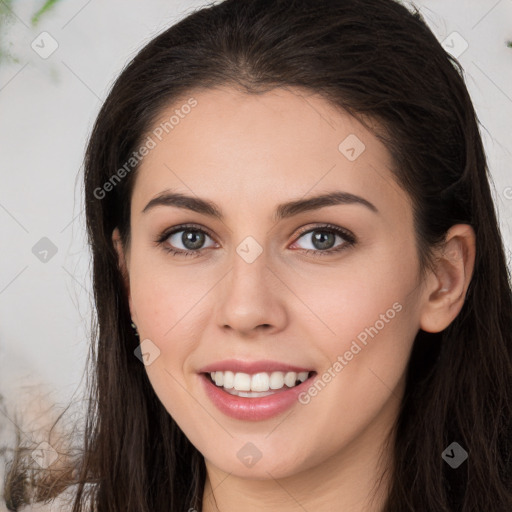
<point x="323" y="240"/>
<point x="192" y="239"/>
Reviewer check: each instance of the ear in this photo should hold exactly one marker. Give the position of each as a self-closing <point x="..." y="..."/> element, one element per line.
<point x="123" y="261"/>
<point x="446" y="288"/>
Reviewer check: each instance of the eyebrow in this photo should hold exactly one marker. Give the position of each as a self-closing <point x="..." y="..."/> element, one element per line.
<point x="283" y="211"/>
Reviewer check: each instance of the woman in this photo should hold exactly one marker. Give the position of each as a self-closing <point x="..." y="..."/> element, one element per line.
<point x="301" y="289"/>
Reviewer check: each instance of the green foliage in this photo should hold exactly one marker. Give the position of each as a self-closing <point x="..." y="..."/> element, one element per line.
<point x="5" y="9"/>
<point x="7" y="15"/>
<point x="46" y="7"/>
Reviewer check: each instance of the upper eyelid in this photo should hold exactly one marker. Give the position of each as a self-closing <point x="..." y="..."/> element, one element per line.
<point x="166" y="233"/>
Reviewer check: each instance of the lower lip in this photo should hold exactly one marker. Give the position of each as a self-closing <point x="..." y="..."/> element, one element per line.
<point x="254" y="409"/>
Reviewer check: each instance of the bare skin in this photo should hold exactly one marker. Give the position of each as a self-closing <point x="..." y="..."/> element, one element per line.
<point x="247" y="154"/>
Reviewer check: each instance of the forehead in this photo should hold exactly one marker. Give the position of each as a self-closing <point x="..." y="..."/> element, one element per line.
<point x="284" y="142"/>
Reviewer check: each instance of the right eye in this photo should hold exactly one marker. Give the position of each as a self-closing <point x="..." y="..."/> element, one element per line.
<point x="191" y="239"/>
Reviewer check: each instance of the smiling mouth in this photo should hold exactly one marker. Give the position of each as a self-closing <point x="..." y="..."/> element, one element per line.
<point x="259" y="384"/>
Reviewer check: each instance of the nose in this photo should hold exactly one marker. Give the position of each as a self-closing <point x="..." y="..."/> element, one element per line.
<point x="251" y="298"/>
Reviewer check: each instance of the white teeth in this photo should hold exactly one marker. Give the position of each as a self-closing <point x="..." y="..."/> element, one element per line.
<point x="259" y="382"/>
<point x="242" y="382"/>
<point x="229" y="379"/>
<point x="276" y="380"/>
<point x="302" y="376"/>
<point x="290" y="379"/>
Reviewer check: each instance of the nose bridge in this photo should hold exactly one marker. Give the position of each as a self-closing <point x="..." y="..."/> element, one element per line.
<point x="247" y="299"/>
<point x="249" y="270"/>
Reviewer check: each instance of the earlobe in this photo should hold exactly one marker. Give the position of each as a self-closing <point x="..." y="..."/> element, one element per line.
<point x="122" y="263"/>
<point x="446" y="289"/>
<point x="118" y="246"/>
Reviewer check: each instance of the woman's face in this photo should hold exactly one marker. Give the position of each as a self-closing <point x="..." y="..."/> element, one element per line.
<point x="271" y="285"/>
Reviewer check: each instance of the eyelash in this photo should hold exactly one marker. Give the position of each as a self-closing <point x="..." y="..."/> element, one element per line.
<point x="349" y="238"/>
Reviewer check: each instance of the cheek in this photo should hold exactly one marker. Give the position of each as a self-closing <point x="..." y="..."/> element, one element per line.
<point x="360" y="381"/>
<point x="369" y="319"/>
<point x="367" y="292"/>
<point x="173" y="307"/>
<point x="169" y="315"/>
<point x="165" y="297"/>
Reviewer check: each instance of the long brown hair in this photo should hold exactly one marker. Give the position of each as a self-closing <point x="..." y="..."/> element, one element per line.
<point x="379" y="61"/>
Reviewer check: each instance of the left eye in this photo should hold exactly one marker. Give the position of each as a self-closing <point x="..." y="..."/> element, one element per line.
<point x="190" y="239"/>
<point x="323" y="239"/>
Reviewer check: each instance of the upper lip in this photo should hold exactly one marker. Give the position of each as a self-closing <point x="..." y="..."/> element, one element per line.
<point x="251" y="367"/>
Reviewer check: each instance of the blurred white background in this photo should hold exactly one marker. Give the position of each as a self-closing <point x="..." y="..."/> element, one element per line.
<point x="47" y="108"/>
